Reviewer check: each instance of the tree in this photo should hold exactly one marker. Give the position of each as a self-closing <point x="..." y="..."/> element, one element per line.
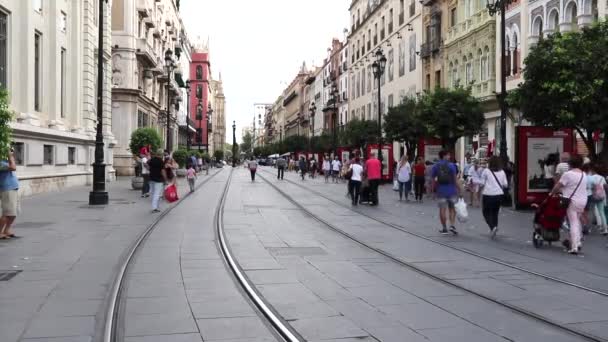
<point x="406" y="123"/>
<point x="218" y="155"/>
<point x="451" y="114"/>
<point x="181" y="157"/>
<point x="143" y="137"/>
<point x="247" y="143"/>
<point x="5" y="129"/>
<point x="359" y="133"/>
<point x="295" y="143"/>
<point x="566" y="83"/>
<point x="321" y="143"/>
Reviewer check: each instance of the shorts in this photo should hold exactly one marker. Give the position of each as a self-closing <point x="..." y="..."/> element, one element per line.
<point x="445" y="202"/>
<point x="10" y="202"/>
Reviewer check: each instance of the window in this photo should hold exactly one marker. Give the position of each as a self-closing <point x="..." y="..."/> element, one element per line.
<point x="390" y="21"/>
<point x="390" y="101"/>
<point x="437" y="78"/>
<point x="3" y="49"/>
<point x="37" y="71"/>
<point x="37" y="4"/>
<point x="63" y="84"/>
<point x="142" y="119"/>
<point x="469" y="73"/>
<point x="19" y="153"/>
<point x="427" y="84"/>
<point x="63" y="22"/>
<point x="48" y="154"/>
<point x="412" y="7"/>
<point x="484" y="68"/>
<point x="369" y="110"/>
<point x="199" y="91"/>
<point x="363" y="81"/>
<point x="72" y="155"/>
<point x="95" y="11"/>
<point x="199" y="72"/>
<point x="453" y="17"/>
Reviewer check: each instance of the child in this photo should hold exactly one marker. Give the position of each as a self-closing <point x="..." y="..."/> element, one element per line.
<point x="191" y="176"/>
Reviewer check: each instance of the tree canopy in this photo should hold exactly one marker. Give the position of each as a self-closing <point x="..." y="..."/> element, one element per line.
<point x="359" y="133"/>
<point x="566" y="83"/>
<point x="406" y="123"/>
<point x="247" y="143"/>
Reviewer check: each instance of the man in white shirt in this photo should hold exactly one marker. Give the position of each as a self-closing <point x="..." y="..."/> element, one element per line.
<point x="145" y="174"/>
<point x="563" y="166"/>
<point x="335" y="169"/>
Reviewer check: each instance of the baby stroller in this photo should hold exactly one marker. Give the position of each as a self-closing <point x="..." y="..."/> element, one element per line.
<point x="548" y="221"/>
<point x="364" y="193"/>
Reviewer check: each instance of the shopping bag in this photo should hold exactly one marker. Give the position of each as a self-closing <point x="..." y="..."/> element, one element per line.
<point x="395" y="185"/>
<point x="461" y="210"/>
<point x="171" y="193"/>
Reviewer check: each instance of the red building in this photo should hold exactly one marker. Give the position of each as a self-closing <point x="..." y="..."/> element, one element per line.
<point x="200" y="71"/>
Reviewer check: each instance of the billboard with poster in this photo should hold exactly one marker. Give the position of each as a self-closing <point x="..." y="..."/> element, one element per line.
<point x="388" y="161"/>
<point x="537" y="154"/>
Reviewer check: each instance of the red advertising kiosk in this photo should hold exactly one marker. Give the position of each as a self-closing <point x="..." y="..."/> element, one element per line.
<point x="388" y="161"/>
<point x="536" y="149"/>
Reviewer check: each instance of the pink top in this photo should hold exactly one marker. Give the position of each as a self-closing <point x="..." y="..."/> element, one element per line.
<point x="372" y="167"/>
<point x="569" y="181"/>
<point x="190" y="173"/>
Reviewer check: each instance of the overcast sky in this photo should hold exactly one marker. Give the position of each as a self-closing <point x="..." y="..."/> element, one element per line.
<point x="259" y="46"/>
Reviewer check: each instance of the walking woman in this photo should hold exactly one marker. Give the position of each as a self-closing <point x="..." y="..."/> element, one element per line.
<point x="428" y="178"/>
<point x="494" y="182"/>
<point x="573" y="188"/>
<point x="356" y="171"/>
<point x="404" y="176"/>
<point x="419" y="179"/>
<point x="326" y="168"/>
<point x="474" y="182"/>
<point x="597" y="198"/>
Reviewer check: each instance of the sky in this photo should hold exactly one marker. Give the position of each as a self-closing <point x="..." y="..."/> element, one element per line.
<point x="259" y="46"/>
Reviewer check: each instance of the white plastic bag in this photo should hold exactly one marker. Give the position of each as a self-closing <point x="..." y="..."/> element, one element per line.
<point x="461" y="210"/>
<point x="395" y="185"/>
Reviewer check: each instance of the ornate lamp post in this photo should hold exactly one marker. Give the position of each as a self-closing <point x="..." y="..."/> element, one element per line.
<point x="233" y="143"/>
<point x="334" y="96"/>
<point x="209" y="113"/>
<point x="188" y="88"/>
<point x="99" y="196"/>
<point x="169" y="67"/>
<point x="495" y="6"/>
<point x="313" y="111"/>
<point x="199" y="130"/>
<point x="378" y="67"/>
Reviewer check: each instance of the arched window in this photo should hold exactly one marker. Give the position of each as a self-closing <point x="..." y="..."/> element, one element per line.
<point x="571" y="15"/>
<point x="515" y="54"/>
<point x="537" y="27"/>
<point x="485" y="64"/>
<point x="554" y="21"/>
<point x="199" y="72"/>
<point x="507" y="61"/>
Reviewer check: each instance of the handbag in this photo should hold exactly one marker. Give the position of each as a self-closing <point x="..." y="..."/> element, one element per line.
<point x="171" y="193"/>
<point x="505" y="200"/>
<point x="395" y="185"/>
<point x="564" y="202"/>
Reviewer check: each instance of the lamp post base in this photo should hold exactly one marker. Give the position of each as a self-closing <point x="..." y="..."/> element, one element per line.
<point x="99" y="195"/>
<point x="98" y="198"/>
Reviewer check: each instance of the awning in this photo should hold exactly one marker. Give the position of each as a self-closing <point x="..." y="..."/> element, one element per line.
<point x="179" y="80"/>
<point x="286" y="154"/>
<point x="276" y="155"/>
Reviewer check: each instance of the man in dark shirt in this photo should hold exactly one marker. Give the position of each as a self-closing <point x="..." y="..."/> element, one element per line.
<point x="157" y="178"/>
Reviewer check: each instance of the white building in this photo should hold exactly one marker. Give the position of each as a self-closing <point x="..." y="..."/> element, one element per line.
<point x="48" y="64"/>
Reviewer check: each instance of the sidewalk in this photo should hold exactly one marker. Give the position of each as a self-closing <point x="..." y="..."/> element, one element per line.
<point x="66" y="258"/>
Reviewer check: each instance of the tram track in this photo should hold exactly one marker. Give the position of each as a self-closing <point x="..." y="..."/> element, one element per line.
<point x="541" y="319"/>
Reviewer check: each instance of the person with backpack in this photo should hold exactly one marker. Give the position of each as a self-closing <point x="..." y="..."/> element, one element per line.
<point x="597" y="198"/>
<point x="494" y="186"/>
<point x="445" y="183"/>
<point x="302" y="166"/>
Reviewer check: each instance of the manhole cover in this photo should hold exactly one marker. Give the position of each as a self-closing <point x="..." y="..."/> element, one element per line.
<point x="32" y="224"/>
<point x="296" y="251"/>
<point x="8" y="275"/>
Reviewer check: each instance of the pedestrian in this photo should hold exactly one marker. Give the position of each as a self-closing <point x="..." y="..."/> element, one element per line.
<point x="158" y="177"/>
<point x="419" y="179"/>
<point x="335" y="169"/>
<point x="355" y="172"/>
<point x="281" y="163"/>
<point x="574" y="190"/>
<point x="474" y="182"/>
<point x="171" y="170"/>
<point x="326" y="168"/>
<point x="9" y="195"/>
<point x="373" y="169"/>
<point x="596" y="196"/>
<point x="253" y="167"/>
<point x="404" y="177"/>
<point x="145" y="174"/>
<point x="313" y="167"/>
<point x="199" y="162"/>
<point x="468" y="163"/>
<point x="191" y="176"/>
<point x="563" y="166"/>
<point x="428" y="179"/>
<point x="494" y="184"/>
<point x="302" y="166"/>
<point x="445" y="182"/>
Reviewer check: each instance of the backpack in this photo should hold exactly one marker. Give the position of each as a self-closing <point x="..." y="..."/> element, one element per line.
<point x="599" y="193"/>
<point x="444" y="174"/>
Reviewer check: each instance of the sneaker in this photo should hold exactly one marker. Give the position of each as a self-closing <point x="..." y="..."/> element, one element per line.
<point x="605" y="231"/>
<point x="566" y="244"/>
<point x="444" y="231"/>
<point x="156" y="211"/>
<point x="573" y="252"/>
<point x="453" y="230"/>
<point x="493" y="232"/>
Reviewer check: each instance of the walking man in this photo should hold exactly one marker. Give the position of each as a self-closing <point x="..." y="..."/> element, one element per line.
<point x="281" y="164"/>
<point x="158" y="177"/>
<point x="253" y="167"/>
<point x="335" y="169"/>
<point x="373" y="170"/>
<point x="445" y="177"/>
<point x="9" y="195"/>
<point x="302" y="166"/>
<point x="326" y="168"/>
<point x="145" y="174"/>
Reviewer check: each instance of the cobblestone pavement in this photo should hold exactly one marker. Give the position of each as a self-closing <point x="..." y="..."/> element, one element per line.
<point x="67" y="255"/>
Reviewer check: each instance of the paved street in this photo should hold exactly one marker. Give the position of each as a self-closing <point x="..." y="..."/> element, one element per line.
<point x="337" y="276"/>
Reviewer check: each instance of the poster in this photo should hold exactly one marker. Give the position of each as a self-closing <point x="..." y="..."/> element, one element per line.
<point x="345" y="156"/>
<point x="401" y="57"/>
<point x="543" y="156"/>
<point x="431" y="152"/>
<point x="413" y="52"/>
<point x="391" y="64"/>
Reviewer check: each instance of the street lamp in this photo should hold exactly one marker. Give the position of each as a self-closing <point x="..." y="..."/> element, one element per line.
<point x="313" y="111"/>
<point x="169" y="66"/>
<point x="99" y="195"/>
<point x="378" y="67"/>
<point x="209" y="128"/>
<point x="199" y="130"/>
<point x="188" y="115"/>
<point x="233" y="143"/>
<point x="495" y="6"/>
<point x="334" y="96"/>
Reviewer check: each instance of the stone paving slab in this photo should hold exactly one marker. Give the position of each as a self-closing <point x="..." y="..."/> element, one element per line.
<point x="478" y="275"/>
<point x="68" y="254"/>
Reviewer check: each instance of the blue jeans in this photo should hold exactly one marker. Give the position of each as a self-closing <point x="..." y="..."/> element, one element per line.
<point x="405" y="187"/>
<point x="157" y="192"/>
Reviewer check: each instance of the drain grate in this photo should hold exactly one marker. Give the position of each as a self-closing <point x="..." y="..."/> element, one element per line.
<point x="8" y="275"/>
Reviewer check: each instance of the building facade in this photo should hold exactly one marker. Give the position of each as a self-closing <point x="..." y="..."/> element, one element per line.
<point x="200" y="98"/>
<point x="219" y="115"/>
<point x="49" y="68"/>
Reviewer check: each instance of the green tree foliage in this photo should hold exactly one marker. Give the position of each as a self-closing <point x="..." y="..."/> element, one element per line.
<point x="218" y="155"/>
<point x="295" y="143"/>
<point x="359" y="133"/>
<point x="406" y="123"/>
<point x="450" y="114"/>
<point x="566" y="83"/>
<point x="247" y="143"/>
<point x="321" y="143"/>
<point x="181" y="157"/>
<point x="5" y="129"/>
<point x="143" y="137"/>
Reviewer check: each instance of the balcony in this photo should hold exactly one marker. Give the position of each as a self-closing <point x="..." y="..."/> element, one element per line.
<point x="382" y="34"/>
<point x="145" y="53"/>
<point x="149" y="23"/>
<point x="390" y="27"/>
<point x="465" y="27"/>
<point x="401" y="18"/>
<point x="156" y="33"/>
<point x="143" y="9"/>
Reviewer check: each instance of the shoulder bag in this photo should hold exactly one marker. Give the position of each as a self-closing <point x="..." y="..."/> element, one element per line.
<point x="564" y="202"/>
<point x="505" y="200"/>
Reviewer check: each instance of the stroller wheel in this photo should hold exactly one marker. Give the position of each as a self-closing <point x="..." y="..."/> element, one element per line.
<point x="536" y="240"/>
